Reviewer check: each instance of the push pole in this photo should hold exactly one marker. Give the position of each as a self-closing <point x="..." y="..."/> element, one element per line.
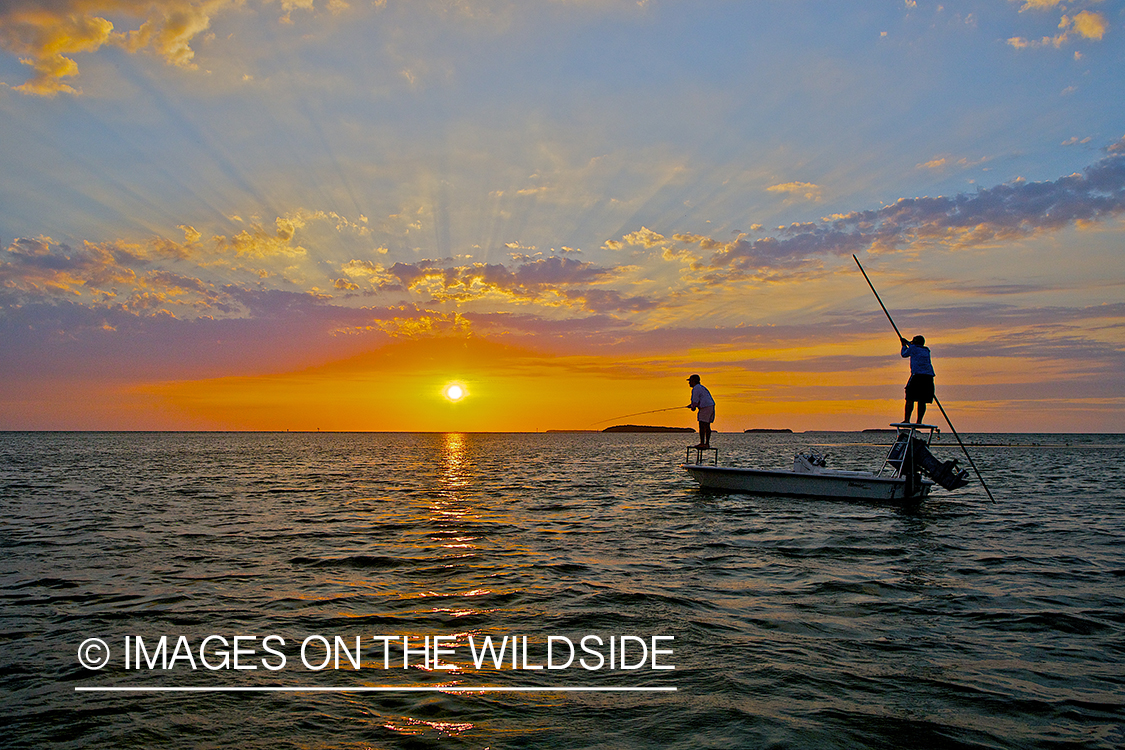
<point x="877" y="298"/>
<point x="939" y="406"/>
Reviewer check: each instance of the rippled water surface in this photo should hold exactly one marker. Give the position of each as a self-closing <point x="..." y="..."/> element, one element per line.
<point x="796" y="623"/>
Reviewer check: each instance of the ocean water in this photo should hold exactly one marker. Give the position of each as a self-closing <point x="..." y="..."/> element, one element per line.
<point x="789" y="623"/>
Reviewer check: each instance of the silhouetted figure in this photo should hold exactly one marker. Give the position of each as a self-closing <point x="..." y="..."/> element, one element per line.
<point x="920" y="387"/>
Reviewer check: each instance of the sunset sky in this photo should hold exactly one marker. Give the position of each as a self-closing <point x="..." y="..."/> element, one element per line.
<point x="318" y="214"/>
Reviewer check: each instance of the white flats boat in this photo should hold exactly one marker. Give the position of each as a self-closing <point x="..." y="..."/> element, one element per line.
<point x="898" y="481"/>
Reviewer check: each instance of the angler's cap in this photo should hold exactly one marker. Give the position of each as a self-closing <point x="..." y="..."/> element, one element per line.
<point x="920" y="340"/>
<point x="693" y="379"/>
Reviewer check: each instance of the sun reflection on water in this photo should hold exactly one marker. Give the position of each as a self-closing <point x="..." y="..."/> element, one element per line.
<point x="452" y="511"/>
<point x="455" y="473"/>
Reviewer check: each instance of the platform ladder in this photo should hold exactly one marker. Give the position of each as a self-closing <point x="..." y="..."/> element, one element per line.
<point x="699" y="460"/>
<point x="900" y="450"/>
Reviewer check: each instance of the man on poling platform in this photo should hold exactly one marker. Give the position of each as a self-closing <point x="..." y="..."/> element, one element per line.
<point x="920" y="386"/>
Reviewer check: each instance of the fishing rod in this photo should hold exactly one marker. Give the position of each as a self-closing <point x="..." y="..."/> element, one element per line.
<point x="936" y="401"/>
<point x="636" y="414"/>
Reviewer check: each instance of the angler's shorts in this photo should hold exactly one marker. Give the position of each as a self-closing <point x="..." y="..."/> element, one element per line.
<point x="706" y="414"/>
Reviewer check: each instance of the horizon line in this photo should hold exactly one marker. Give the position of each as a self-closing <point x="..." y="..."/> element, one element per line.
<point x="749" y="431"/>
<point x="345" y="689"/>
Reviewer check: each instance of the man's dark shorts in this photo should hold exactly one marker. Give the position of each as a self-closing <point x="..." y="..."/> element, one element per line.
<point x="920" y="388"/>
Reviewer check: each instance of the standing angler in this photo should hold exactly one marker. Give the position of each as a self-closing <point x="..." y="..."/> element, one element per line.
<point x="920" y="387"/>
<point x="701" y="399"/>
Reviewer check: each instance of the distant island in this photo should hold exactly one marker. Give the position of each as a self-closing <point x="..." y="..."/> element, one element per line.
<point x="645" y="428"/>
<point x="767" y="429"/>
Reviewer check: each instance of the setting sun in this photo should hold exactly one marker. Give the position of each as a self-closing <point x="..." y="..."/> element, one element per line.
<point x="455" y="392"/>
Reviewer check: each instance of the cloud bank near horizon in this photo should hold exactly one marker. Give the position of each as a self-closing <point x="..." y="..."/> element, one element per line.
<point x="180" y="278"/>
<point x="264" y="283"/>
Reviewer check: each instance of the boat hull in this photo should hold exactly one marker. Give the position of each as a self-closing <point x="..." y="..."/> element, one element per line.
<point x="827" y="485"/>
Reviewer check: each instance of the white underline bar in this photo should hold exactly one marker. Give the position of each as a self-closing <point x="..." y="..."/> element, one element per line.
<point x="300" y="689"/>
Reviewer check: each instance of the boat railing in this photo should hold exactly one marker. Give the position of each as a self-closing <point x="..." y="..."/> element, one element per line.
<point x="699" y="460"/>
<point x="900" y="449"/>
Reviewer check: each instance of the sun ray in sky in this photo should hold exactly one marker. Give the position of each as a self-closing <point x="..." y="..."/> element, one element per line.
<point x="257" y="215"/>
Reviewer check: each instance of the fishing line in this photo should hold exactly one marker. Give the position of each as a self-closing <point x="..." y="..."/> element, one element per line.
<point x="951" y="427"/>
<point x="636" y="414"/>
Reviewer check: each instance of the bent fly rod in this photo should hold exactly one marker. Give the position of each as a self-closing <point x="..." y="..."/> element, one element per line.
<point x="936" y="401"/>
<point x="636" y="414"/>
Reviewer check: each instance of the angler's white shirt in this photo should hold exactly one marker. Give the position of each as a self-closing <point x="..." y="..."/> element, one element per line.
<point x="701" y="397"/>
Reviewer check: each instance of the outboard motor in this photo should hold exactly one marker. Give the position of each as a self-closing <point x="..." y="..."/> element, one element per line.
<point x="809" y="463"/>
<point x="947" y="474"/>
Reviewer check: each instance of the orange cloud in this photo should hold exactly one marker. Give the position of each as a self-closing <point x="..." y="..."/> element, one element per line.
<point x="46" y="34"/>
<point x="1039" y="4"/>
<point x="1090" y="25"/>
<point x="942" y="163"/>
<point x="806" y="190"/>
<point x="1083" y="25"/>
<point x="643" y="237"/>
<point x="128" y="274"/>
<point x="549" y="281"/>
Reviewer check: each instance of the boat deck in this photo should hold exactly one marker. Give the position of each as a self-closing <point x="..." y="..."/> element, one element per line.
<point x="809" y="476"/>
